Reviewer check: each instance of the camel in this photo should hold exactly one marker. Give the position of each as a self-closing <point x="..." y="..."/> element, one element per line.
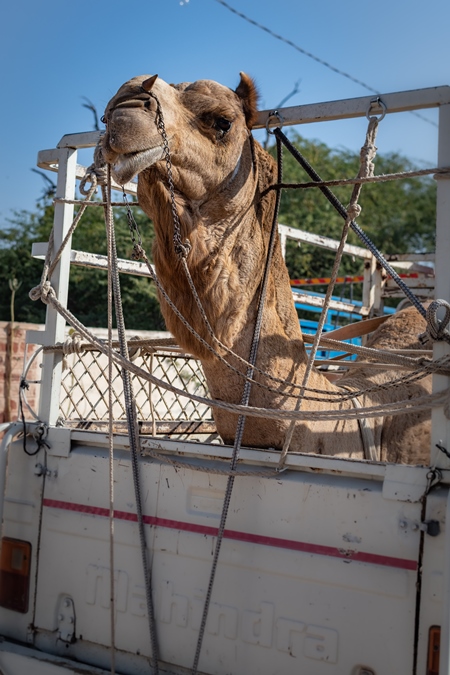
<point x="220" y="175"/>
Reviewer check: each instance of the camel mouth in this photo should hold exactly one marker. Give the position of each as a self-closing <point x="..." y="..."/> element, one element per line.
<point x="126" y="167"/>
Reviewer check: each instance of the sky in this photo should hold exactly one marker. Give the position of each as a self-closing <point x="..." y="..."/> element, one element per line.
<point x="53" y="53"/>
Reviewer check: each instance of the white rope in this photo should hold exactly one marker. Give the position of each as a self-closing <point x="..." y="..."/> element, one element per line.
<point x="367" y="154"/>
<point x="436" y="329"/>
<point x="371" y="451"/>
<point x="108" y="219"/>
<point x="391" y="408"/>
<point x="133" y="429"/>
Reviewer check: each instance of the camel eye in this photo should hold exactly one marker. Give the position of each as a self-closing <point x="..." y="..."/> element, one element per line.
<point x="103" y="119"/>
<point x="222" y="124"/>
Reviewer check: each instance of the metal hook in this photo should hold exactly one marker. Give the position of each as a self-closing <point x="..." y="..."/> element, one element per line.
<point x="274" y="114"/>
<point x="434" y="476"/>
<point x="376" y="101"/>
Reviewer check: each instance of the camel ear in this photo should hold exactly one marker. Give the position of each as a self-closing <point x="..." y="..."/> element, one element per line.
<point x="249" y="96"/>
<point x="149" y="82"/>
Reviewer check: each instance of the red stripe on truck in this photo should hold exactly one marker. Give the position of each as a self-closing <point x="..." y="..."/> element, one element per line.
<point x="248" y="537"/>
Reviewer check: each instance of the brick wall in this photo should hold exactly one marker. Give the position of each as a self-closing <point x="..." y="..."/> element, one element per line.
<point x="12" y="360"/>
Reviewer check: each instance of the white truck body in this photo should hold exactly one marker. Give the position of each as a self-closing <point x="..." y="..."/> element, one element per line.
<point x="332" y="566"/>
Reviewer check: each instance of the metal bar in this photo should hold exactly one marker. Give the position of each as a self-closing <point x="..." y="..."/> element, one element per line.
<point x="55" y="324"/>
<point x="82" y="139"/>
<point x="95" y="260"/>
<point x="413" y="257"/>
<point x="403" y="101"/>
<point x="48" y="160"/>
<point x="98" y="261"/>
<point x="419" y="283"/>
<point x="317" y="301"/>
<point x="444" y="656"/>
<point x="396" y="293"/>
<point x="440" y="426"/>
<point x="163" y="427"/>
<point x="369" y="284"/>
<point x="323" y="242"/>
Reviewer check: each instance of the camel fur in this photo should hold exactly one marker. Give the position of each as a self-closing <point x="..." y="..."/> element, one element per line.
<point x="220" y="175"/>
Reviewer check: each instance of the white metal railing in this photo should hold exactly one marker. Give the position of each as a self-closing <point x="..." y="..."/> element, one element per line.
<point x="63" y="159"/>
<point x="375" y="286"/>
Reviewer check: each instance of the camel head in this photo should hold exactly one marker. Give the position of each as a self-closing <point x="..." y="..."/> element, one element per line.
<point x="206" y="125"/>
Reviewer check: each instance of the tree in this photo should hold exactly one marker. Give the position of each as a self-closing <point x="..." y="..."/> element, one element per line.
<point x="398" y="216"/>
<point x="87" y="287"/>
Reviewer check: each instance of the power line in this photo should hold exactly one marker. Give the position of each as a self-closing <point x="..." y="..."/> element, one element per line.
<point x="299" y="49"/>
<point x="309" y="55"/>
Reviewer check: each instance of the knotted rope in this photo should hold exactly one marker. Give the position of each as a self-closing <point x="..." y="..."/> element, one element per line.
<point x="437" y="329"/>
<point x="73" y="345"/>
<point x="96" y="173"/>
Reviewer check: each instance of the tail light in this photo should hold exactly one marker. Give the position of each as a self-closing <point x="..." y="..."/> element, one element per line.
<point x="434" y="647"/>
<point x="15" y="560"/>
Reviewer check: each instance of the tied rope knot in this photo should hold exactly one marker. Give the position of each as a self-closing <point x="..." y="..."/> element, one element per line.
<point x="183" y="250"/>
<point x="42" y="292"/>
<point x="138" y="252"/>
<point x="73" y="343"/>
<point x="353" y="211"/>
<point x="436" y="328"/>
<point x="369" y="150"/>
<point x="366" y="168"/>
<point x="71" y="346"/>
<point x="96" y="173"/>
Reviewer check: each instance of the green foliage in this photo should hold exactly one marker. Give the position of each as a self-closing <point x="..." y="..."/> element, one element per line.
<point x="87" y="287"/>
<point x="16" y="262"/>
<point x="398" y="216"/>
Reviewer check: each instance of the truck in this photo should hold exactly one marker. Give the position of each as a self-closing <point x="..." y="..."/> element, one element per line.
<point x="330" y="567"/>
